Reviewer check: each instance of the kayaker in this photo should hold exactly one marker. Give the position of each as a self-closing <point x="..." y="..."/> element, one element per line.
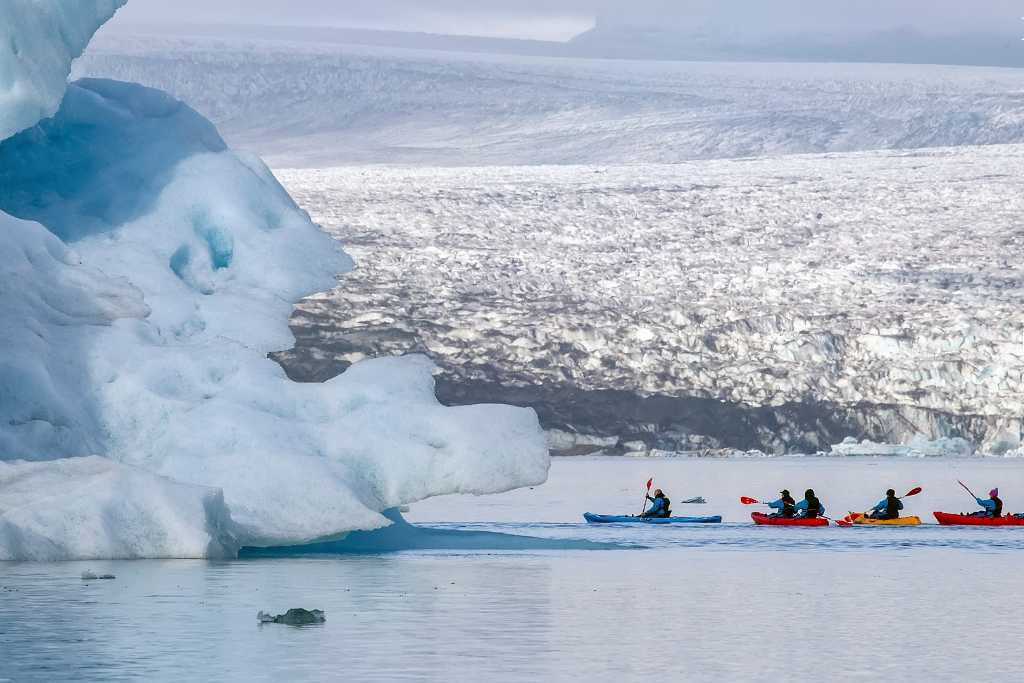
<point x="993" y="507"/>
<point x="785" y="505"/>
<point x="810" y="507"/>
<point x="887" y="508"/>
<point x="660" y="505"/>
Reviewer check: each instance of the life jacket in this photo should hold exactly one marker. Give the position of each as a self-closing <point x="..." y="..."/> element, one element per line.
<point x="666" y="509"/>
<point x="813" y="508"/>
<point x="788" y="507"/>
<point x="892" y="507"/>
<point x="998" y="512"/>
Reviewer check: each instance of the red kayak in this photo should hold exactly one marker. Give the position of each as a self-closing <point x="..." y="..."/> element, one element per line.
<point x="949" y="519"/>
<point x="761" y="518"/>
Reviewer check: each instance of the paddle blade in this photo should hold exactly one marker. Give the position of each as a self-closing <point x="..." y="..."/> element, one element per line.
<point x="749" y="501"/>
<point x="843" y="523"/>
<point x="649" y="482"/>
<point x="913" y="492"/>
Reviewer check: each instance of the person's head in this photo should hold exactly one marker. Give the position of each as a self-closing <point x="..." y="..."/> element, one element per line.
<point x="809" y="493"/>
<point x="994" y="493"/>
<point x="890" y="493"/>
<point x="657" y="492"/>
<point x="785" y="493"/>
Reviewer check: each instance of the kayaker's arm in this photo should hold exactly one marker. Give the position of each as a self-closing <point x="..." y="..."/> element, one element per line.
<point x="777" y="504"/>
<point x="989" y="505"/>
<point x="881" y="505"/>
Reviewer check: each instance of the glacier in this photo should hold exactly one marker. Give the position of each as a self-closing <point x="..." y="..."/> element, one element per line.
<point x="775" y="304"/>
<point x="148" y="271"/>
<point x="316" y="105"/>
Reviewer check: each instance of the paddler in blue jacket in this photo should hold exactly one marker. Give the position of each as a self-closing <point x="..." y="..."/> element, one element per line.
<point x="993" y="507"/>
<point x="887" y="508"/>
<point x="659" y="505"/>
<point x="785" y="505"/>
<point x="810" y="507"/>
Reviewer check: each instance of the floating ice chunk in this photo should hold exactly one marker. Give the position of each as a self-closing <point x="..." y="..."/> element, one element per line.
<point x="293" y="617"/>
<point x="174" y="379"/>
<point x="919" y="447"/>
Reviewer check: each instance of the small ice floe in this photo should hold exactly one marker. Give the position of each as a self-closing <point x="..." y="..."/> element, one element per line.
<point x="294" y="617"/>
<point x="89" y="576"/>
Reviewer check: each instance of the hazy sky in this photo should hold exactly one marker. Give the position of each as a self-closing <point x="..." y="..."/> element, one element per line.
<point x="560" y="19"/>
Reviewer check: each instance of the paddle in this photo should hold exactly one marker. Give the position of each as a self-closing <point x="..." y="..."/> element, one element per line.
<point x="747" y="500"/>
<point x="647" y="495"/>
<point x="967" y="489"/>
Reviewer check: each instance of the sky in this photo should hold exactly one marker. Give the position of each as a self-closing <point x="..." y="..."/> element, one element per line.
<point x="562" y="19"/>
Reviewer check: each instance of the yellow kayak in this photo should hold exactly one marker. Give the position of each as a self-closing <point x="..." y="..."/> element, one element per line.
<point x="899" y="521"/>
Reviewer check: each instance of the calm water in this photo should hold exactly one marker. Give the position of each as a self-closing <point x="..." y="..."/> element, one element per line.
<point x="729" y="602"/>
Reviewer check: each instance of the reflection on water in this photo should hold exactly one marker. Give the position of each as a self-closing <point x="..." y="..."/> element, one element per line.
<point x="699" y="604"/>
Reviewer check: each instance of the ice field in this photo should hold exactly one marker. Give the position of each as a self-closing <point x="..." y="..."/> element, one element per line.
<point x="886" y="284"/>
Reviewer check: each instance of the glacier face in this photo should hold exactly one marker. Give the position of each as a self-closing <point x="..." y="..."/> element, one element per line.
<point x="148" y="273"/>
<point x="781" y="304"/>
<point x="315" y="105"/>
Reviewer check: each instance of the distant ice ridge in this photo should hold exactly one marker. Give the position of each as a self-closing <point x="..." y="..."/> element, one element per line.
<point x="316" y="105"/>
<point x="918" y="447"/>
<point x="149" y="272"/>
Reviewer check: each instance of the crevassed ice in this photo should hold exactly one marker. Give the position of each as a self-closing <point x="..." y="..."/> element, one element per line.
<point x="154" y="270"/>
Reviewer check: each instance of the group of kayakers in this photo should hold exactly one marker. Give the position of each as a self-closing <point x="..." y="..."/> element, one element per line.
<point x="810" y="507"/>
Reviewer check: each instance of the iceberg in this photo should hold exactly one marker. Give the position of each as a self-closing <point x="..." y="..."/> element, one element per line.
<point x="147" y="271"/>
<point x="39" y="39"/>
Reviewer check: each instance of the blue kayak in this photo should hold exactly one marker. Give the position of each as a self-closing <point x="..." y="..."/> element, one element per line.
<point x="630" y="519"/>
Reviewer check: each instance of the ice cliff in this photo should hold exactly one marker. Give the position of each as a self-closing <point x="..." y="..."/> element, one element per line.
<point x="145" y="273"/>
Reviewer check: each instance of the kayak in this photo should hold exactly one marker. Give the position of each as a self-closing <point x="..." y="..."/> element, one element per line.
<point x="899" y="521"/>
<point x="949" y="518"/>
<point x="761" y="518"/>
<point x="630" y="519"/>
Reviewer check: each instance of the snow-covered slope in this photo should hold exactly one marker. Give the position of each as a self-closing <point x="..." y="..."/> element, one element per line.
<point x="147" y="271"/>
<point x="309" y="105"/>
<point x="782" y="304"/>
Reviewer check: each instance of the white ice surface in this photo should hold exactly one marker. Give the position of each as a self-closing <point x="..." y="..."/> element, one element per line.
<point x="38" y="41"/>
<point x="96" y="508"/>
